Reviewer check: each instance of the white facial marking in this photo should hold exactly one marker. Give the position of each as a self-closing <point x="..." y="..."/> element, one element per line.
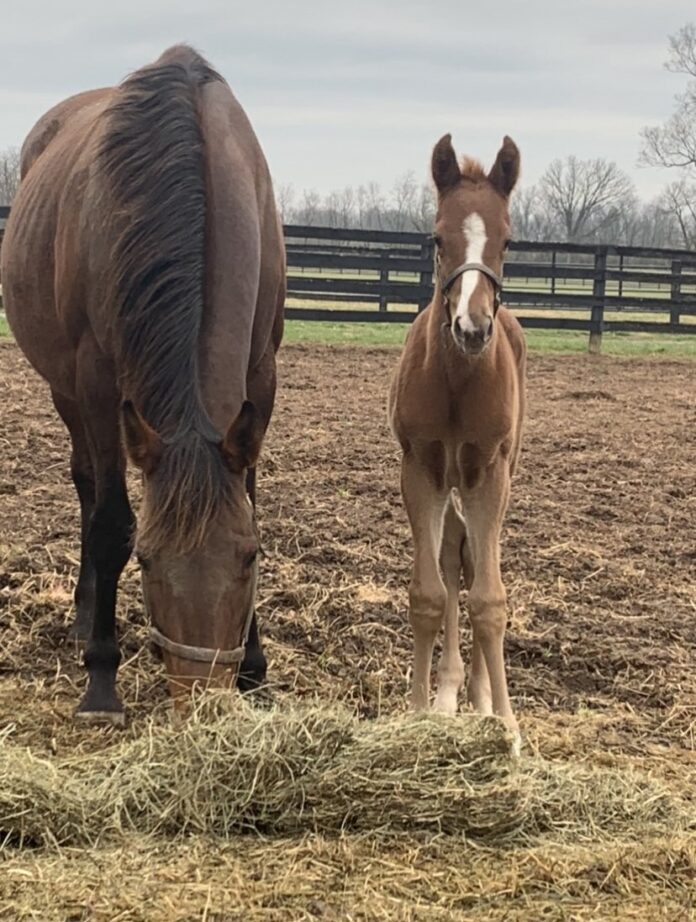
<point x="475" y="234"/>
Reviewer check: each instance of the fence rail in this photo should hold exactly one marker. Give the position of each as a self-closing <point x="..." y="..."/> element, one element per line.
<point x="337" y="274"/>
<point x="388" y="276"/>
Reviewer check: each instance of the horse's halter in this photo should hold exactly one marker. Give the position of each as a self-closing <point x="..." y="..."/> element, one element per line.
<point x="449" y="280"/>
<point x="212" y="655"/>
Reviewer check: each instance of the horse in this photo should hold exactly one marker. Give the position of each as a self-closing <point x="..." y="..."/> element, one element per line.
<point x="456" y="407"/>
<point x="143" y="270"/>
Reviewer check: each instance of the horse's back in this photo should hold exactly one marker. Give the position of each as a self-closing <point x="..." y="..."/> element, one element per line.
<point x="56" y="151"/>
<point x="53" y="122"/>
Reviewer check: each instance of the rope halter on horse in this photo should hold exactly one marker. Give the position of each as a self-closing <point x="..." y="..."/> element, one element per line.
<point x="213" y="655"/>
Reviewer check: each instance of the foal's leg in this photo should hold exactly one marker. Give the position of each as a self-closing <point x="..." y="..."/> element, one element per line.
<point x="252" y="671"/>
<point x="450" y="673"/>
<point x="484" y="509"/>
<point x="425" y="505"/>
<point x="83" y="478"/>
<point x="110" y="531"/>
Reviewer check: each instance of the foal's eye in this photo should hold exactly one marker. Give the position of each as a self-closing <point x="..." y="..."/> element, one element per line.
<point x="143" y="562"/>
<point x="250" y="560"/>
<point x="506" y="245"/>
<point x="437" y="241"/>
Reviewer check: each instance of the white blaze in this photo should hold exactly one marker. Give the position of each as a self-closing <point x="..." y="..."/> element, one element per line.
<point x="475" y="235"/>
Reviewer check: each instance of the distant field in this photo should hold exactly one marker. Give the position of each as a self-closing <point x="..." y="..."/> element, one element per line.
<point x="550" y="341"/>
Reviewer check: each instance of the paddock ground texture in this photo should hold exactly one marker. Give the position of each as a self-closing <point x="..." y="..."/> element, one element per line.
<point x="600" y="563"/>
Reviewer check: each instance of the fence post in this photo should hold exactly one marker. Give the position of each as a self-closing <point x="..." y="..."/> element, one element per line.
<point x="675" y="292"/>
<point x="598" y="294"/>
<point x="426" y="277"/>
<point x="384" y="281"/>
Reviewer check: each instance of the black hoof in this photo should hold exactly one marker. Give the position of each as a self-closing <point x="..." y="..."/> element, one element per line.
<point x="252" y="673"/>
<point x="101" y="718"/>
<point x="100" y="703"/>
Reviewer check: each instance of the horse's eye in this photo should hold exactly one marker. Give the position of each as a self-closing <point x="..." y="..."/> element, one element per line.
<point x="143" y="562"/>
<point x="437" y="239"/>
<point x="506" y="244"/>
<point x="250" y="559"/>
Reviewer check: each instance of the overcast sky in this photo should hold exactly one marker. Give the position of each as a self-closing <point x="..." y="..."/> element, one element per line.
<point x="341" y="93"/>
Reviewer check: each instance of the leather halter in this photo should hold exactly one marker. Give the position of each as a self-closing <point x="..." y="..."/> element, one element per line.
<point x="212" y="655"/>
<point x="494" y="278"/>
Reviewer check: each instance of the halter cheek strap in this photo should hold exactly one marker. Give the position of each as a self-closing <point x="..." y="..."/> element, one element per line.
<point x="211" y="655"/>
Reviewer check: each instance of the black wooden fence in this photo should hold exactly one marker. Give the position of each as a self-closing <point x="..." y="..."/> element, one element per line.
<point x="346" y="275"/>
<point x="336" y="274"/>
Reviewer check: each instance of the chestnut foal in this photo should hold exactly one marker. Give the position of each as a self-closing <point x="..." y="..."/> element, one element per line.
<point x="456" y="407"/>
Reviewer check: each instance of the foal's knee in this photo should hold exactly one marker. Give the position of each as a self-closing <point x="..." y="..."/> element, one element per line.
<point x="427" y="607"/>
<point x="488" y="612"/>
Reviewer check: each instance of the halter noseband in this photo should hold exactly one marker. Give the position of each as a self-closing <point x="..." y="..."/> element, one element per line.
<point x="448" y="281"/>
<point x="211" y="655"/>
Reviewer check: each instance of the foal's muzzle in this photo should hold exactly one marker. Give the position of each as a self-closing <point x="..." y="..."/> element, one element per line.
<point x="472" y="341"/>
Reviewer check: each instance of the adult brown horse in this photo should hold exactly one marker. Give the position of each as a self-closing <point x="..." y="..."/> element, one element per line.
<point x="456" y="407"/>
<point x="143" y="273"/>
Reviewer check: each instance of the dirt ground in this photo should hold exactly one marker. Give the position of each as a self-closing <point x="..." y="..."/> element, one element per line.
<point x="599" y="560"/>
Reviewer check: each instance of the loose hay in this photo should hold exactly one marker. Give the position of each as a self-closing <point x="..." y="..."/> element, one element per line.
<point x="231" y="768"/>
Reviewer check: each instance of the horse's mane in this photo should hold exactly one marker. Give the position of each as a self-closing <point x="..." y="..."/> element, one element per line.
<point x="152" y="159"/>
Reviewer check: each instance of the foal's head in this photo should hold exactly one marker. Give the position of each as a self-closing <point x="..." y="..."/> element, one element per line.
<point x="472" y="231"/>
<point x="197" y="542"/>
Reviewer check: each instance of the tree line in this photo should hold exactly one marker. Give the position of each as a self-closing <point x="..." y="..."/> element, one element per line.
<point x="577" y="201"/>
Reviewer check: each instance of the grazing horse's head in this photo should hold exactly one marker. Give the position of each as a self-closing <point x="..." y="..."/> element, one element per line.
<point x="197" y="543"/>
<point x="472" y="230"/>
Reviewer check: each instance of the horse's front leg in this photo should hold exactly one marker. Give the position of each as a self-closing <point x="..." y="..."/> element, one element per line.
<point x="425" y="500"/>
<point x="484" y="508"/>
<point x="110" y="532"/>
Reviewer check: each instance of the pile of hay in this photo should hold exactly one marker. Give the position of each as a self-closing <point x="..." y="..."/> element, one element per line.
<point x="230" y="768"/>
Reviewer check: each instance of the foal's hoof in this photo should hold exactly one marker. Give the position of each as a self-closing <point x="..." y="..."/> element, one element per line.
<point x="516" y="748"/>
<point x="101" y="718"/>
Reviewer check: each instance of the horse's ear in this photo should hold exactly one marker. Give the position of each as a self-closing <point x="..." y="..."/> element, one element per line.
<point x="445" y="169"/>
<point x="143" y="444"/>
<point x="506" y="169"/>
<point x="242" y="444"/>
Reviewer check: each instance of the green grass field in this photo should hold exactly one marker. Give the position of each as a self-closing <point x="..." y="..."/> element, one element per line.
<point x="393" y="334"/>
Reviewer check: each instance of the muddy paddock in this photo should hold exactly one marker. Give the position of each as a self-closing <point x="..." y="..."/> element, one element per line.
<point x="599" y="559"/>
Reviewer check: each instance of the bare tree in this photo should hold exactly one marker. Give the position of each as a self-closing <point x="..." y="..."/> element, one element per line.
<point x="679" y="200"/>
<point x="674" y="143"/>
<point x="308" y="211"/>
<point x="9" y="174"/>
<point x="582" y="196"/>
<point x="285" y="198"/>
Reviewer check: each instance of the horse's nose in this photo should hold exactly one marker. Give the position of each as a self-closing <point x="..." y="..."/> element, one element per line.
<point x="474" y="338"/>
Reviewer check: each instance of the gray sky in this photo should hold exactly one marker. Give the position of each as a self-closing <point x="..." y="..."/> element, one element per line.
<point x="344" y="93"/>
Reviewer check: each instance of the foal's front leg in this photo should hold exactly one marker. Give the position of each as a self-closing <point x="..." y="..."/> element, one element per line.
<point x="425" y="504"/>
<point x="484" y="508"/>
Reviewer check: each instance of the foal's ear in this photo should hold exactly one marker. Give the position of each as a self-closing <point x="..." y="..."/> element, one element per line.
<point x="506" y="169"/>
<point x="445" y="169"/>
<point x="242" y="444"/>
<point x="143" y="444"/>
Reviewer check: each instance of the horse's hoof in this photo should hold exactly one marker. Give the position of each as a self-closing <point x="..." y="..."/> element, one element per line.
<point x="101" y="718"/>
